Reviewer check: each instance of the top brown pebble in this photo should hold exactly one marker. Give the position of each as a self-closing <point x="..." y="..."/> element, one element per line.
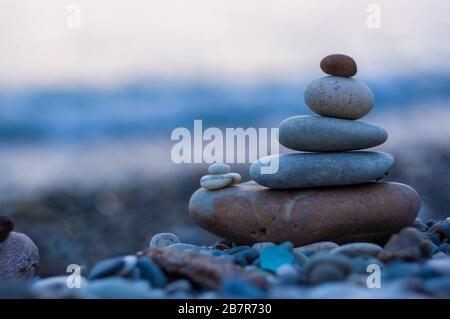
<point x="339" y="65"/>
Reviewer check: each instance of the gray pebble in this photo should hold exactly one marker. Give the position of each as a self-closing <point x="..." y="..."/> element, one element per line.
<point x="107" y="268"/>
<point x="287" y="274"/>
<point x="322" y="246"/>
<point x="151" y="272"/>
<point x="179" y="285"/>
<point x="358" y="249"/>
<point x="214" y="182"/>
<point x="340" y="97"/>
<point x="219" y="168"/>
<point x="312" y="133"/>
<point x="325" y="273"/>
<point x="304" y="170"/>
<point x="164" y="240"/>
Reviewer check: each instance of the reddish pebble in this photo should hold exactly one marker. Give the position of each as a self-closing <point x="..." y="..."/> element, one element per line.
<point x="338" y="65"/>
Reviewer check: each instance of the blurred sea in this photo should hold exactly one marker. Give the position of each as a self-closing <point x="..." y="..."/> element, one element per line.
<point x="86" y="115"/>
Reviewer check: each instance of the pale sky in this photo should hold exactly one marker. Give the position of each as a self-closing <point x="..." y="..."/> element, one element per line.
<point x="248" y="41"/>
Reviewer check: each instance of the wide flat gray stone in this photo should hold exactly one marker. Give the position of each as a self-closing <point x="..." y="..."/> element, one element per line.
<point x="304" y="170"/>
<point x="314" y="133"/>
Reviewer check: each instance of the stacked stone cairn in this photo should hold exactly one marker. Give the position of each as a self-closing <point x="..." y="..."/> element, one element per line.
<point x="330" y="191"/>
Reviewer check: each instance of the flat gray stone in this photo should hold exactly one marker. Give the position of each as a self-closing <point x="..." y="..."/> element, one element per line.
<point x="341" y="97"/>
<point x="358" y="249"/>
<point x="327" y="134"/>
<point x="304" y="170"/>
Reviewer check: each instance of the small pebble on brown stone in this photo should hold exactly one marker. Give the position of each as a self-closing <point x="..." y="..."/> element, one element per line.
<point x="339" y="65"/>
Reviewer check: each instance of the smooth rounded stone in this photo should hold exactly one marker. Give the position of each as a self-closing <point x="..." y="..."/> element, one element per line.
<point x="287" y="274"/>
<point x="340" y="97"/>
<point x="119" y="288"/>
<point x="409" y="245"/>
<point x="6" y="227"/>
<point x="179" y="285"/>
<point x="312" y="133"/>
<point x="339" y="261"/>
<point x="151" y="272"/>
<point x="164" y="240"/>
<point x="322" y="246"/>
<point x="19" y="257"/>
<point x="249" y="213"/>
<point x="260" y="246"/>
<point x="219" y="168"/>
<point x="339" y="65"/>
<point x="358" y="249"/>
<point x="236" y="178"/>
<point x="325" y="273"/>
<point x="107" y="268"/>
<point x="214" y="182"/>
<point x="360" y="264"/>
<point x="307" y="170"/>
<point x="246" y="256"/>
<point x="57" y="288"/>
<point x="128" y="267"/>
<point x="301" y="259"/>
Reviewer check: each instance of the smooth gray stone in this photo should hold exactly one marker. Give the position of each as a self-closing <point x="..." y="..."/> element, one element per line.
<point x="314" y="133"/>
<point x="341" y="97"/>
<point x="164" y="240"/>
<point x="358" y="249"/>
<point x="219" y="168"/>
<point x="216" y="181"/>
<point x="304" y="170"/>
